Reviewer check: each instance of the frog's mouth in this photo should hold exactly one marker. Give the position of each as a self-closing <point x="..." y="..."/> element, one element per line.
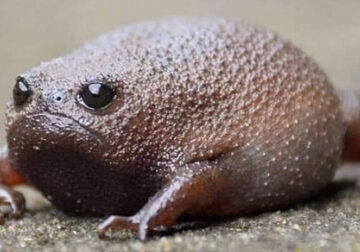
<point x="37" y="131"/>
<point x="65" y="161"/>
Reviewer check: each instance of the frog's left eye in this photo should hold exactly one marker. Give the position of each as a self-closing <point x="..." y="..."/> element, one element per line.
<point x="21" y="92"/>
<point x="96" y="96"/>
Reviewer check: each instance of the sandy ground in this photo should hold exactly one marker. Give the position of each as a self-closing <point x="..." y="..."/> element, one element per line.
<point x="328" y="222"/>
<point x="33" y="31"/>
<point x="36" y="30"/>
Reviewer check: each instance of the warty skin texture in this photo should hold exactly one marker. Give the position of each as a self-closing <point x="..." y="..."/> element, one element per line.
<point x="212" y="117"/>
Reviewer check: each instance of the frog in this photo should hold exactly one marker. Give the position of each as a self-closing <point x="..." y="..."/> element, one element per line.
<point x="202" y="117"/>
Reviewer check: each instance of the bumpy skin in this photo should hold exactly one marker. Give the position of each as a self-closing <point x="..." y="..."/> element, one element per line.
<point x="212" y="117"/>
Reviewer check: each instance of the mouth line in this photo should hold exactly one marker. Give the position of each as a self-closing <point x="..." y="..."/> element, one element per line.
<point x="97" y="136"/>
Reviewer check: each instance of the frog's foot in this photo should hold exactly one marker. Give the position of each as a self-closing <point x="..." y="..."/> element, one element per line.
<point x="12" y="204"/>
<point x="8" y="176"/>
<point x="193" y="191"/>
<point x="114" y="223"/>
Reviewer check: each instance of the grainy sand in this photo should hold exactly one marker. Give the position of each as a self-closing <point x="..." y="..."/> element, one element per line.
<point x="329" y="222"/>
<point x="38" y="30"/>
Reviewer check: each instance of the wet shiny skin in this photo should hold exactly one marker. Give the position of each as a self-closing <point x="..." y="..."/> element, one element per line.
<point x="211" y="117"/>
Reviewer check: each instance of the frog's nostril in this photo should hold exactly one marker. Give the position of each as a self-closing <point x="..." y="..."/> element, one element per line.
<point x="59" y="96"/>
<point x="21" y="92"/>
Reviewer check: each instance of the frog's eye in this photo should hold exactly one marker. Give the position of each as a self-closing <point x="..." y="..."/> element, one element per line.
<point x="96" y="96"/>
<point x="21" y="92"/>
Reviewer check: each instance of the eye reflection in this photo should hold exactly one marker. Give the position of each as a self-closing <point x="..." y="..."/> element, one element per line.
<point x="21" y="92"/>
<point x="96" y="96"/>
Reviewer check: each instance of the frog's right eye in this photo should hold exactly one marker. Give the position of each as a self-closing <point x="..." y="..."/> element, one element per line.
<point x="21" y="92"/>
<point x="96" y="96"/>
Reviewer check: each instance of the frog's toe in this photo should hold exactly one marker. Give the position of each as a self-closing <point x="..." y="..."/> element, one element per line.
<point x="12" y="204"/>
<point x="116" y="223"/>
<point x="2" y="219"/>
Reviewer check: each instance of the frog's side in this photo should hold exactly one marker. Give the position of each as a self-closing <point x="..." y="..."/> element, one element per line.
<point x="211" y="117"/>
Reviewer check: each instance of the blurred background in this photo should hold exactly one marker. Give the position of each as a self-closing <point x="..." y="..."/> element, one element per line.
<point x="32" y="31"/>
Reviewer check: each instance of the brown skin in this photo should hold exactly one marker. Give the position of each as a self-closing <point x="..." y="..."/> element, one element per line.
<point x="351" y="108"/>
<point x="211" y="118"/>
<point x="15" y="200"/>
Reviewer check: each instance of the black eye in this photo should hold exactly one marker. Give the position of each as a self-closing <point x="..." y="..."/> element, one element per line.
<point x="96" y="96"/>
<point x="21" y="92"/>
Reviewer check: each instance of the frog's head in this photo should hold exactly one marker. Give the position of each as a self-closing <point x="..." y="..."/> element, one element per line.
<point x="98" y="129"/>
<point x="73" y="137"/>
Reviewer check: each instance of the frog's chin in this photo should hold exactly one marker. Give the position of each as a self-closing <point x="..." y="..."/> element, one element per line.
<point x="37" y="133"/>
<point x="65" y="162"/>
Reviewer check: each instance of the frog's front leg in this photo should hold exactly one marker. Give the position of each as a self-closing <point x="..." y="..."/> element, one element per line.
<point x="12" y="203"/>
<point x="193" y="190"/>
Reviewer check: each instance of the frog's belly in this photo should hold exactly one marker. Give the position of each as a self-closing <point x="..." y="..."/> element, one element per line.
<point x="258" y="182"/>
